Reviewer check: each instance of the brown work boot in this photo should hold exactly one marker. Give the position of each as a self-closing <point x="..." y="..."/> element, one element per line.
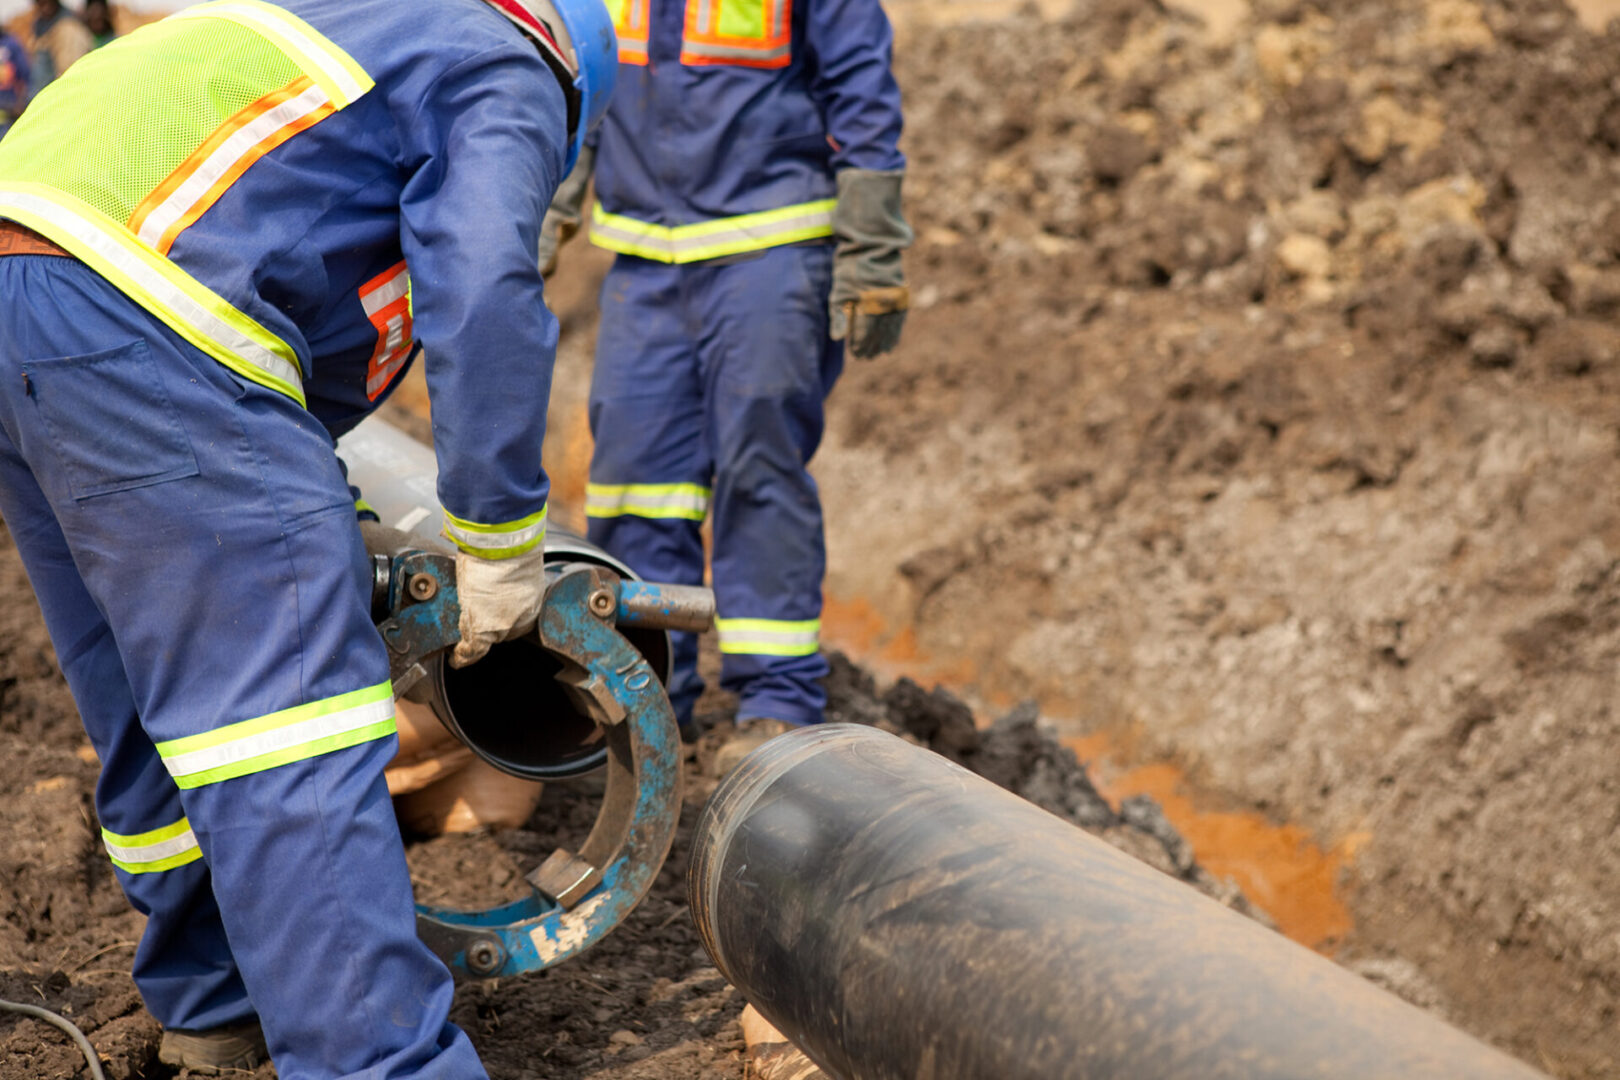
<point x="749" y="736"/>
<point x="235" y="1046"/>
<point x="770" y="1055"/>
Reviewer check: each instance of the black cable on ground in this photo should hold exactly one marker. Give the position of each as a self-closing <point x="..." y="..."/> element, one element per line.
<point x="66" y="1025"/>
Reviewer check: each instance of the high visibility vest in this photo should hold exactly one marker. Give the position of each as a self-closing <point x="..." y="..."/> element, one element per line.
<point x="630" y="22"/>
<point x="202" y="95"/>
<point x="746" y="33"/>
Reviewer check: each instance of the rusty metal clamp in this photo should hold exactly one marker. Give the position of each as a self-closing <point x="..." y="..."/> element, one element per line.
<point x="577" y="898"/>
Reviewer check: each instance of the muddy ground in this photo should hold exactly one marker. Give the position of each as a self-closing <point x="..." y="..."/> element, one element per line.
<point x="1259" y="414"/>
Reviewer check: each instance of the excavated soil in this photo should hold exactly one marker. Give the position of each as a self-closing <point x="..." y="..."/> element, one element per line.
<point x="1261" y="412"/>
<point x="1258" y="417"/>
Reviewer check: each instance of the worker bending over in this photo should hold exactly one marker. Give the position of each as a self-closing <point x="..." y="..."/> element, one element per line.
<point x="218" y="238"/>
<point x="748" y="176"/>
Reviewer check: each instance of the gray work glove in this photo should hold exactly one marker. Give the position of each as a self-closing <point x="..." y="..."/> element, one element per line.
<point x="567" y="211"/>
<point x="500" y="600"/>
<point x="869" y="294"/>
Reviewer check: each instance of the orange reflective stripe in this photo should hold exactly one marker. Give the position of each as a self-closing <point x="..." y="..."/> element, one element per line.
<point x="630" y="20"/>
<point x="386" y="299"/>
<point x="199" y="181"/>
<point x="711" y="35"/>
<point x="186" y="168"/>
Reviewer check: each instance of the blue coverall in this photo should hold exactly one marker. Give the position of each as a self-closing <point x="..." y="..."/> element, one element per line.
<point x="192" y="539"/>
<point x="715" y="172"/>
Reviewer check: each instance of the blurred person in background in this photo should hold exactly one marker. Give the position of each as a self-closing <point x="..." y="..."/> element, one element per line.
<point x="60" y="39"/>
<point x="748" y="175"/>
<point x="99" y="21"/>
<point x="13" y="80"/>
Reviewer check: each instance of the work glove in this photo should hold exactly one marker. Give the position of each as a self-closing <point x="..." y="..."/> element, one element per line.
<point x="567" y="211"/>
<point x="500" y="600"/>
<point x="869" y="294"/>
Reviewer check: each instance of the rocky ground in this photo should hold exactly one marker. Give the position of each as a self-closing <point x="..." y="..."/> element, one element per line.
<point x="1260" y="414"/>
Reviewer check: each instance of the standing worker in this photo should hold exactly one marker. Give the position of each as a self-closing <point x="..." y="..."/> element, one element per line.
<point x="60" y="40"/>
<point x="749" y="177"/>
<point x="205" y="230"/>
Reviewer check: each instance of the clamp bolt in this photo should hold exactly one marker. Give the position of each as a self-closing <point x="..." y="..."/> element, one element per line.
<point x="484" y="957"/>
<point x="603" y="603"/>
<point x="422" y="586"/>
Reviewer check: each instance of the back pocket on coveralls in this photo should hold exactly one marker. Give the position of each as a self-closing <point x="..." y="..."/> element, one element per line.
<point x="110" y="421"/>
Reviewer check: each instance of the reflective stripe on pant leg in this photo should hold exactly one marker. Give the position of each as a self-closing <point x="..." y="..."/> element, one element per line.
<point x="149" y="852"/>
<point x="687" y="501"/>
<point x="769" y="637"/>
<point x="294" y="734"/>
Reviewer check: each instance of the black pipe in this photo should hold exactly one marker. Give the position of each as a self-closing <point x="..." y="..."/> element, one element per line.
<point x="900" y="918"/>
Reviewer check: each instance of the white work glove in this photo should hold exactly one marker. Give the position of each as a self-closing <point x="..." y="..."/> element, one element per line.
<point x="500" y="600"/>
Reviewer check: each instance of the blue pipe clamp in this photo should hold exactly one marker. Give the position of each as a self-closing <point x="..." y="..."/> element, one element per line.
<point x="575" y="899"/>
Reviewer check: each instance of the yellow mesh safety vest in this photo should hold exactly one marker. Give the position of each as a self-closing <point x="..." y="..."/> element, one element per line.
<point x="178" y="110"/>
<point x="744" y="33"/>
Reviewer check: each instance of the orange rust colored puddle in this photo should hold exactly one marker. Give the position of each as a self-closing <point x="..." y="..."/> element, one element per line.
<point x="855" y="626"/>
<point x="1280" y="868"/>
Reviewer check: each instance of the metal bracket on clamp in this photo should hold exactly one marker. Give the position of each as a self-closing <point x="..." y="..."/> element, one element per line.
<point x="424" y="614"/>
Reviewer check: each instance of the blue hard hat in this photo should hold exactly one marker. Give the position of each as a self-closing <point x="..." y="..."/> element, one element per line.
<point x="576" y="37"/>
